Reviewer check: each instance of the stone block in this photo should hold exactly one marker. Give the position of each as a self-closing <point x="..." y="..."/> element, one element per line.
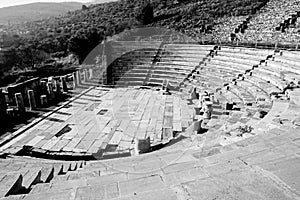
<point x="31" y="98"/>
<point x="142" y="145"/>
<point x="91" y="75"/>
<point x="20" y="103"/>
<point x="11" y="112"/>
<point x="197" y="126"/>
<point x="44" y="100"/>
<point x="228" y="106"/>
<point x="3" y="105"/>
<point x="133" y="187"/>
<point x="10" y="184"/>
<point x="78" y="78"/>
<point x="63" y="80"/>
<point x="75" y="82"/>
<point x="50" y="91"/>
<point x="58" y="87"/>
<point x="43" y="87"/>
<point x="162" y="194"/>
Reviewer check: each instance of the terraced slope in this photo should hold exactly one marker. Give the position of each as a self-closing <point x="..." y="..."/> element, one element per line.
<point x="226" y="161"/>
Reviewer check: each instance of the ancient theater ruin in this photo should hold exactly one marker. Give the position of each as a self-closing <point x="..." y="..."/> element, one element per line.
<point x="164" y="116"/>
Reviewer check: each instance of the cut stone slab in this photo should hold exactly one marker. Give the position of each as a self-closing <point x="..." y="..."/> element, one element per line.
<point x="32" y="176"/>
<point x="107" y="179"/>
<point x="10" y="184"/>
<point x="141" y="185"/>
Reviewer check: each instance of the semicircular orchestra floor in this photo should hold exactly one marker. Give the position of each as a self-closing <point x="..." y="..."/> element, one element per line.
<point x="104" y="122"/>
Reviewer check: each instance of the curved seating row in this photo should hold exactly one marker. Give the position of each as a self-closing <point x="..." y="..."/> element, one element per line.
<point x="238" y="81"/>
<point x="144" y="66"/>
<point x="20" y="174"/>
<point x="219" y="155"/>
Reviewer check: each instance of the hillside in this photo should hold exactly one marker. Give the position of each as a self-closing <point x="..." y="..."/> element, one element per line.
<point x="100" y="1"/>
<point x="35" y="11"/>
<point x="80" y="31"/>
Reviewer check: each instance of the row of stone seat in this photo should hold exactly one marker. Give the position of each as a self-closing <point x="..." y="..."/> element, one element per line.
<point x="217" y="76"/>
<point x="225" y="157"/>
<point x="254" y="90"/>
<point x="122" y="67"/>
<point x="157" y="175"/>
<point x="268" y="75"/>
<point x="20" y="174"/>
<point x="182" y="57"/>
<point x="171" y="64"/>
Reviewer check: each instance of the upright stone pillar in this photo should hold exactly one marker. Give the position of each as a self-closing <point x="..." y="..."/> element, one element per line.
<point x="20" y="103"/>
<point x="200" y="100"/>
<point x="207" y="110"/>
<point x="142" y="145"/>
<point x="63" y="80"/>
<point x="31" y="98"/>
<point x="11" y="94"/>
<point x="212" y="98"/>
<point x="85" y="75"/>
<point x="10" y="112"/>
<point x="194" y="94"/>
<point x="58" y="88"/>
<point x="43" y="87"/>
<point x="91" y="75"/>
<point x="44" y="100"/>
<point x="78" y="78"/>
<point x="50" y="91"/>
<point x="75" y="82"/>
<point x="228" y="106"/>
<point x="198" y="125"/>
<point x="164" y="84"/>
<point x="3" y="105"/>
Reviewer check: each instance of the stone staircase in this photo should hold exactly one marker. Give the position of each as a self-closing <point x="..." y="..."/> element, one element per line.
<point x="19" y="175"/>
<point x="263" y="165"/>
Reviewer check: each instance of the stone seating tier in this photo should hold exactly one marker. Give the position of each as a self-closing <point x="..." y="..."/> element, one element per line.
<point x="260" y="164"/>
<point x="237" y="163"/>
<point x="19" y="174"/>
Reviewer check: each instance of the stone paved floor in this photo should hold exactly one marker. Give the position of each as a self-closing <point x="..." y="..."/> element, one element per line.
<point x="109" y="120"/>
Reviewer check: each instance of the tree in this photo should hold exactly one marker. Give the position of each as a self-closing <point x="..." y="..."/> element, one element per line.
<point x="84" y="7"/>
<point x="145" y="14"/>
<point x="84" y="41"/>
<point x="30" y="56"/>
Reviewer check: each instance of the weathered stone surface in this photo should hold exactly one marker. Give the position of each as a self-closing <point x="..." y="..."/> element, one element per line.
<point x="141" y="185"/>
<point x="31" y="98"/>
<point x="63" y="80"/>
<point x="40" y="188"/>
<point x="296" y="121"/>
<point x="162" y="194"/>
<point x="183" y="176"/>
<point x="50" y="91"/>
<point x="31" y="177"/>
<point x="86" y="127"/>
<point x="3" y="105"/>
<point x="56" y="195"/>
<point x="84" y="193"/>
<point x="261" y="165"/>
<point x="44" y="100"/>
<point x="67" y="185"/>
<point x="20" y="103"/>
<point x="75" y="81"/>
<point x="10" y="184"/>
<point x="107" y="179"/>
